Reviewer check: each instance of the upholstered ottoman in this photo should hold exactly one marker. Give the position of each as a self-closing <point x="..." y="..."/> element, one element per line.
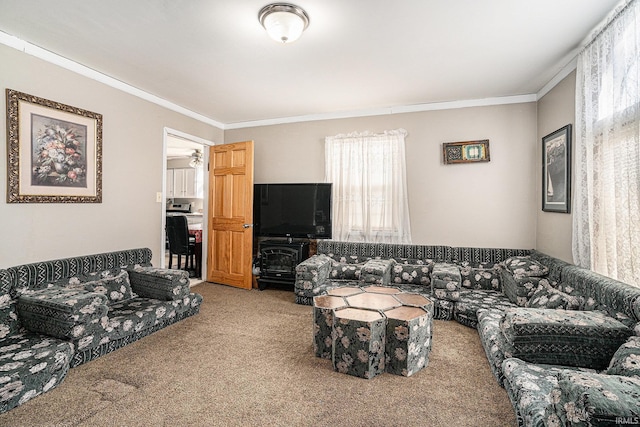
<point x="323" y="307"/>
<point x="358" y="342"/>
<point x="408" y="339"/>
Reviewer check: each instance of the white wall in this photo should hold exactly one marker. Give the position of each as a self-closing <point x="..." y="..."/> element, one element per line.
<point x="555" y="110"/>
<point x="129" y="216"/>
<point x="485" y="204"/>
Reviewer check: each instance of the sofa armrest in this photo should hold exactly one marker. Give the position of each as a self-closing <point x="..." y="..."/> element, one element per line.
<point x="377" y="272"/>
<point x="446" y="281"/>
<point x="311" y="273"/>
<point x="65" y="313"/>
<point x="159" y="283"/>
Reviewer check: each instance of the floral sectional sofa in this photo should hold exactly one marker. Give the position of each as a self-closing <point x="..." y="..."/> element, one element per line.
<point x="58" y="314"/>
<point x="563" y="341"/>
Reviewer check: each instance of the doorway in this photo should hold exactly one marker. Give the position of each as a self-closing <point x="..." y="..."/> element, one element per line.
<point x="185" y="192"/>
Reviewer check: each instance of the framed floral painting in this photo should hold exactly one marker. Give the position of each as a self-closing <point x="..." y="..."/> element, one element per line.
<point x="54" y="151"/>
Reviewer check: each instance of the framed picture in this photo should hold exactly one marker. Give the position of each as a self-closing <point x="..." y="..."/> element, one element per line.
<point x="54" y="151"/>
<point x="556" y="171"/>
<point x="466" y="152"/>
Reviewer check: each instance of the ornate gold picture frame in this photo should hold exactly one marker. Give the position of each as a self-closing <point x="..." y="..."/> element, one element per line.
<point x="54" y="151"/>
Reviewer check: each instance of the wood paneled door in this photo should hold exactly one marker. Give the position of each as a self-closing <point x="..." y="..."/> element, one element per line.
<point x="231" y="214"/>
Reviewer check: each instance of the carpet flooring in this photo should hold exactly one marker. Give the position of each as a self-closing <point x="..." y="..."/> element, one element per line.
<point x="247" y="360"/>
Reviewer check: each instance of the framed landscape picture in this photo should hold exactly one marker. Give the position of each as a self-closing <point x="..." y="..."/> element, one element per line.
<point x="54" y="151"/>
<point x="556" y="171"/>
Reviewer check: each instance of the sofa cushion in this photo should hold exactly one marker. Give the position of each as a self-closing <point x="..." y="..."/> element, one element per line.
<point x="529" y="388"/>
<point x="446" y="281"/>
<point x="562" y="337"/>
<point x="465" y="310"/>
<point x="414" y="274"/>
<point x="377" y="271"/>
<point x="9" y="323"/>
<point x="525" y="266"/>
<point x="160" y="283"/>
<point x="519" y="289"/>
<point x="547" y="296"/>
<point x="589" y="399"/>
<point x="496" y="346"/>
<point x="344" y="271"/>
<point x="64" y="313"/>
<point x="480" y="278"/>
<point x="112" y="283"/>
<point x="626" y="360"/>
<point x="31" y="364"/>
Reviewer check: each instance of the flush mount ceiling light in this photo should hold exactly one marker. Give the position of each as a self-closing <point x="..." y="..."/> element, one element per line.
<point x="284" y="22"/>
<point x="196" y="159"/>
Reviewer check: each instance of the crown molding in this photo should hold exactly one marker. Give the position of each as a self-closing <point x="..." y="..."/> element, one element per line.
<point x="48" y="56"/>
<point x="449" y="105"/>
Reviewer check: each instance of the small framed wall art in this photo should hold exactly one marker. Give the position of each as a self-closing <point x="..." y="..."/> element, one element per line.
<point x="54" y="151"/>
<point x="466" y="152"/>
<point x="556" y="171"/>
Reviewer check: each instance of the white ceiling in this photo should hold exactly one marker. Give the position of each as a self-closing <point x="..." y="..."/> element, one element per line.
<point x="179" y="148"/>
<point x="212" y="57"/>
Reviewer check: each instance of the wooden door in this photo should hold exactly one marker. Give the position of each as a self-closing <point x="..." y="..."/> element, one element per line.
<point x="230" y="214"/>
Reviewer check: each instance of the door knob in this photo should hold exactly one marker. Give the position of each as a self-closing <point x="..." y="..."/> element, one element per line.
<point x="247" y="225"/>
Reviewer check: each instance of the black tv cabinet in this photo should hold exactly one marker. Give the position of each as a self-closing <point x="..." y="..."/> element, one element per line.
<point x="278" y="261"/>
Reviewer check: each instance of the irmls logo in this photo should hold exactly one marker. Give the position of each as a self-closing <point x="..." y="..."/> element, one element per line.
<point x="628" y="421"/>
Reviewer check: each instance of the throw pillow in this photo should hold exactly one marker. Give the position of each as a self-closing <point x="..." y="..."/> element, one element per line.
<point x="547" y="296"/>
<point x="626" y="360"/>
<point x="342" y="271"/>
<point x="116" y="288"/>
<point x="520" y="289"/>
<point x="521" y="266"/>
<point x="589" y="399"/>
<point x="411" y="274"/>
<point x="480" y="278"/>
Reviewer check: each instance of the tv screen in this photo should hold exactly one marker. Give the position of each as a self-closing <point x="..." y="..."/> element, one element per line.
<point x="292" y="210"/>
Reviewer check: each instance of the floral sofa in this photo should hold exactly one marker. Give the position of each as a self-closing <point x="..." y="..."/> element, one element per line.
<point x="58" y="314"/>
<point x="410" y="268"/>
<point x="563" y="341"/>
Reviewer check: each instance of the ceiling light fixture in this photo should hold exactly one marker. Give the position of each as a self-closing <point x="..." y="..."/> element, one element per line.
<point x="284" y="22"/>
<point x="196" y="159"/>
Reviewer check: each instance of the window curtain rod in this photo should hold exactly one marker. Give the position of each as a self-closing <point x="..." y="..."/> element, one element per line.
<point x="370" y="134"/>
<point x="606" y="23"/>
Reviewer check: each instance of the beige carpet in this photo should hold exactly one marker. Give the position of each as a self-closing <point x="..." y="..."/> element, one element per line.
<point x="247" y="360"/>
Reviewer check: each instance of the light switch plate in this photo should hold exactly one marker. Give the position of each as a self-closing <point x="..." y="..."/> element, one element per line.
<point x="159" y="197"/>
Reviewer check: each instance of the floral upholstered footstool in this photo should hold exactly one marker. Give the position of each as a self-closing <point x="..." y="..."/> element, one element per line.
<point x="323" y="308"/>
<point x="359" y="342"/>
<point x="408" y="340"/>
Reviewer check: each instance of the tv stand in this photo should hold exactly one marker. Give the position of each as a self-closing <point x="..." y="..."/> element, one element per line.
<point x="278" y="261"/>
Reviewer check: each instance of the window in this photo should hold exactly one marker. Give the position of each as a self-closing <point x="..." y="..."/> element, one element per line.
<point x="606" y="220"/>
<point x="369" y="187"/>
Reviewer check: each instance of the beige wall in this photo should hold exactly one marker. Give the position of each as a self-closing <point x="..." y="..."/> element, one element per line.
<point x="555" y="110"/>
<point x="495" y="204"/>
<point x="129" y="216"/>
<point x="490" y="204"/>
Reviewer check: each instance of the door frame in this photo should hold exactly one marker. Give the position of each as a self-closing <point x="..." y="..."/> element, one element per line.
<point x="205" y="228"/>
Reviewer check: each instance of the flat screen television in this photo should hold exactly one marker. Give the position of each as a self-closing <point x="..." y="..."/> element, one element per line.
<point x="292" y="210"/>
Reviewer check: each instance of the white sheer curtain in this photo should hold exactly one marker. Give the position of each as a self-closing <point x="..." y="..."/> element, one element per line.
<point x="606" y="219"/>
<point x="369" y="187"/>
